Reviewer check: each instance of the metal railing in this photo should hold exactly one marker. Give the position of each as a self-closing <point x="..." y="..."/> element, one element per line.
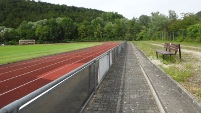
<point x="71" y="92"/>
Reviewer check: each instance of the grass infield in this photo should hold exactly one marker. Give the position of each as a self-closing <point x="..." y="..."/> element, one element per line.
<point x="9" y="54"/>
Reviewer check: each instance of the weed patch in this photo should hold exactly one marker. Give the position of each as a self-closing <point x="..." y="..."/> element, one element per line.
<point x="180" y="74"/>
<point x="199" y="93"/>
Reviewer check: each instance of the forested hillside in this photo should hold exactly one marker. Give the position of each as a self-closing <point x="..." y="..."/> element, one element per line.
<point x="14" y="12"/>
<point x="50" y="23"/>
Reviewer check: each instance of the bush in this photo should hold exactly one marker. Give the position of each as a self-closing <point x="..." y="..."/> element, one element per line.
<point x="11" y="43"/>
<point x="198" y="39"/>
<point x="180" y="39"/>
<point x="189" y="40"/>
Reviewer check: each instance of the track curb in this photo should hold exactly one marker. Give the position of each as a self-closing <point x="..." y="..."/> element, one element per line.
<point x="155" y="95"/>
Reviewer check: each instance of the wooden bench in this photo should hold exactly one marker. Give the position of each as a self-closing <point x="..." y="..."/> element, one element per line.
<point x="170" y="49"/>
<point x="24" y="42"/>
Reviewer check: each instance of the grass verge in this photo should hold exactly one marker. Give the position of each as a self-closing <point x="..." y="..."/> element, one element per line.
<point x="186" y="71"/>
<point x="9" y="54"/>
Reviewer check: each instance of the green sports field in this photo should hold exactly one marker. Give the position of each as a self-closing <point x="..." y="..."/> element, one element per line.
<point x="16" y="53"/>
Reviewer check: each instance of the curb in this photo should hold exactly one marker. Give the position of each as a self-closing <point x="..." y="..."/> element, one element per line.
<point x="153" y="91"/>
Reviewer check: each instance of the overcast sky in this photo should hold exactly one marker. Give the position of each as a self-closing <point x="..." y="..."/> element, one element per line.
<point x="135" y="8"/>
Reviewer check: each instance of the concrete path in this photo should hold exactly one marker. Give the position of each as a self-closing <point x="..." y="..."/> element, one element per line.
<point x="135" y="85"/>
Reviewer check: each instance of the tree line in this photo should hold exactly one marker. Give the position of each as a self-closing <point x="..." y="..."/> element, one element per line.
<point x="61" y="30"/>
<point x="161" y="27"/>
<point x="14" y="12"/>
<point x="49" y="23"/>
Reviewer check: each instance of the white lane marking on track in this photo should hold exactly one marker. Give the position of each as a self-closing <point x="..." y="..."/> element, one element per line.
<point x="46" y="74"/>
<point x="34" y="61"/>
<point x="37" y="69"/>
<point x="89" y="49"/>
<point x="39" y="63"/>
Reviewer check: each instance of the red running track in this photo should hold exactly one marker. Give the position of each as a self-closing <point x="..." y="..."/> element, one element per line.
<point x="21" y="78"/>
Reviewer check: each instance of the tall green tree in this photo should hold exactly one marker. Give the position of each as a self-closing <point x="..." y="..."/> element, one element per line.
<point x="68" y="29"/>
<point x="189" y="19"/>
<point x="98" y="26"/>
<point x="111" y="16"/>
<point x="43" y="33"/>
<point x="194" y="32"/>
<point x="110" y="31"/>
<point x="158" y="25"/>
<point x="121" y="27"/>
<point x="133" y="28"/>
<point x="172" y="15"/>
<point x="85" y="30"/>
<point x="144" y="20"/>
<point x="26" y="31"/>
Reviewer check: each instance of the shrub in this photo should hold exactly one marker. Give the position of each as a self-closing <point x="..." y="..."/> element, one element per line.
<point x="180" y="39"/>
<point x="198" y="39"/>
<point x="11" y="43"/>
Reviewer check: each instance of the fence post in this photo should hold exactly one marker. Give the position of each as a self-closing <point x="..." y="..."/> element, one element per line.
<point x="179" y="51"/>
<point x="95" y="77"/>
<point x="89" y="79"/>
<point x="109" y="58"/>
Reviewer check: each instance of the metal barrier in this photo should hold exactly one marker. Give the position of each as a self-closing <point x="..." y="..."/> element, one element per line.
<point x="71" y="92"/>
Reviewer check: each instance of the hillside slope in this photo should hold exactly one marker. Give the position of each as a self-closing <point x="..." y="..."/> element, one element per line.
<point x="14" y="12"/>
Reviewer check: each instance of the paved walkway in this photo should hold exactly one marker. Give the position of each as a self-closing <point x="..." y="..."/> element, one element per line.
<point x="125" y="89"/>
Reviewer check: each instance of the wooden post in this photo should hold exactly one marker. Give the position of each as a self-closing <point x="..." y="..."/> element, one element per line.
<point x="179" y="51"/>
<point x="156" y="54"/>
